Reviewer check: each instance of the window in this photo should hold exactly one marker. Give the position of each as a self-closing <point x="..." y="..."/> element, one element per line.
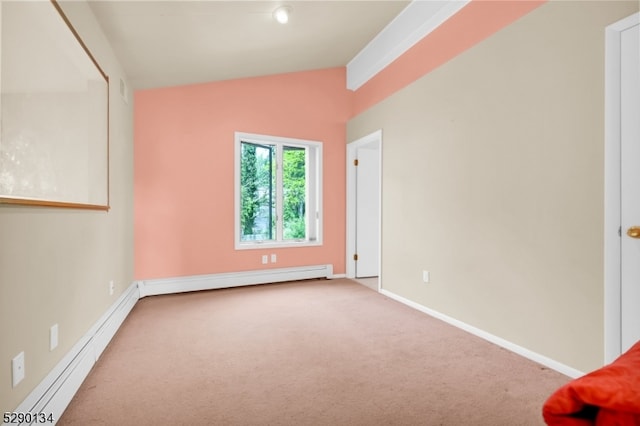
<point x="278" y="192"/>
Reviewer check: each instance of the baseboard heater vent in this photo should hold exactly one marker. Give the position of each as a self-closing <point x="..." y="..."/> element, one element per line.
<point x="56" y="390"/>
<point x="234" y="279"/>
<point x="54" y="393"/>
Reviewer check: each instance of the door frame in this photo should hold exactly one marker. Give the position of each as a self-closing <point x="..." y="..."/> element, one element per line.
<point x="352" y="149"/>
<point x="612" y="250"/>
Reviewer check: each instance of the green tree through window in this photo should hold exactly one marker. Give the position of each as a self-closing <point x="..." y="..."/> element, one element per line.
<point x="278" y="191"/>
<point x="257" y="192"/>
<point x="295" y="192"/>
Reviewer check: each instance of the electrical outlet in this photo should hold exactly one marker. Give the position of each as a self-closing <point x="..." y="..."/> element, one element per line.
<point x="425" y="276"/>
<point x="17" y="369"/>
<point x="53" y="337"/>
<point x="273" y="258"/>
<point x="265" y="259"/>
<point x="111" y="288"/>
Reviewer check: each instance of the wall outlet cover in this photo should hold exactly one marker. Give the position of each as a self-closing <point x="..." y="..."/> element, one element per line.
<point x="17" y="369"/>
<point x="53" y="337"/>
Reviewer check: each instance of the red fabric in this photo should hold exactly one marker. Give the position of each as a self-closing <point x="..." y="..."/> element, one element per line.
<point x="609" y="396"/>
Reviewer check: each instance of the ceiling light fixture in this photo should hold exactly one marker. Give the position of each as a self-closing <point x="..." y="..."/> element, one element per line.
<point x="281" y="14"/>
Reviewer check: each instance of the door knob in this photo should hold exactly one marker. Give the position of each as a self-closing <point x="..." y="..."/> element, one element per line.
<point x="634" y="232"/>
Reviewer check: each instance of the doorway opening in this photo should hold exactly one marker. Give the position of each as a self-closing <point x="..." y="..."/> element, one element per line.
<point x="364" y="195"/>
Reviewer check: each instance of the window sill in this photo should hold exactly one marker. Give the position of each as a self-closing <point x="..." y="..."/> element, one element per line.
<point x="273" y="245"/>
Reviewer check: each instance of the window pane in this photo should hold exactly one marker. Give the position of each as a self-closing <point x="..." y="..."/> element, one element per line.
<point x="294" y="191"/>
<point x="257" y="192"/>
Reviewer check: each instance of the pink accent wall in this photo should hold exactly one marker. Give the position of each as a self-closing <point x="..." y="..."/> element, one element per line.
<point x="184" y="150"/>
<point x="472" y="24"/>
<point x="184" y="168"/>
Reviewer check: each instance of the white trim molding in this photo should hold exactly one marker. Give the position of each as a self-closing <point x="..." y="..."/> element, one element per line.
<point x="411" y="25"/>
<point x="524" y="352"/>
<point x="232" y="279"/>
<point x="612" y="213"/>
<point x="352" y="153"/>
<point x="55" y="391"/>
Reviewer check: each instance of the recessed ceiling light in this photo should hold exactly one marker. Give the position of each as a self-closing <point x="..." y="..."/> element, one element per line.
<point x="282" y="13"/>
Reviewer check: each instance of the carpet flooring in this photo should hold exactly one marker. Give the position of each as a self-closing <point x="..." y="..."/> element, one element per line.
<point x="316" y="352"/>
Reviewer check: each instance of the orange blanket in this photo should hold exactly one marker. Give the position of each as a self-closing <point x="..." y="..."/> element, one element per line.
<point x="609" y="396"/>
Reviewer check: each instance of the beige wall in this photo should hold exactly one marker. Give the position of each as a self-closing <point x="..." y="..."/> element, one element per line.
<point x="55" y="264"/>
<point x="493" y="181"/>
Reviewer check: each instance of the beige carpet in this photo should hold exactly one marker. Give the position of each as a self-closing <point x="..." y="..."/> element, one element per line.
<point x="370" y="282"/>
<point x="303" y="353"/>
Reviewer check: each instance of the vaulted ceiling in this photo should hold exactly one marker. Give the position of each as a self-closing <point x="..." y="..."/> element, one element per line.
<point x="168" y="43"/>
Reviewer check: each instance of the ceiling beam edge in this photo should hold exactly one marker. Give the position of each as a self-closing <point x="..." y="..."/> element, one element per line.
<point x="411" y="25"/>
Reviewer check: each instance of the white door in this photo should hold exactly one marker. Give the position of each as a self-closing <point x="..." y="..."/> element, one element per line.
<point x="363" y="206"/>
<point x="367" y="210"/>
<point x="630" y="186"/>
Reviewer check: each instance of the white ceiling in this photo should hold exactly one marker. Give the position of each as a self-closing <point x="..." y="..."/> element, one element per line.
<point x="169" y="43"/>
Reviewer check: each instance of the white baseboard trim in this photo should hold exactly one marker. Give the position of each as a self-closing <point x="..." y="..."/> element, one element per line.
<point x="57" y="389"/>
<point x="55" y="392"/>
<point x="232" y="279"/>
<point x="533" y="356"/>
<point x="337" y="276"/>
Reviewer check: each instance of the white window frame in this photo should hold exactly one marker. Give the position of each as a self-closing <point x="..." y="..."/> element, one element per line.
<point x="314" y="195"/>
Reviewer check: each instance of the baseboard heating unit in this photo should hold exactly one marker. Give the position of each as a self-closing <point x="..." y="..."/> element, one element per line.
<point x="55" y="392"/>
<point x="233" y="279"/>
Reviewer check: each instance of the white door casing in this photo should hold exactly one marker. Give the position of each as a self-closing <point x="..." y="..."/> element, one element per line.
<point x="364" y="206"/>
<point x="622" y="186"/>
